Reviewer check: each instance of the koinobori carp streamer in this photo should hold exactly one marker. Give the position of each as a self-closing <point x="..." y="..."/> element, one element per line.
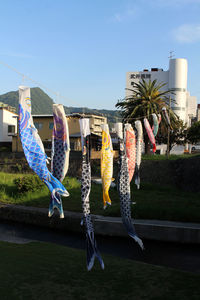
<point x="155" y="125"/>
<point x="106" y="164"/>
<point x="59" y="153"/>
<point x="124" y="188"/>
<point x="166" y="116"/>
<point x="130" y="142"/>
<point x="150" y="133"/>
<point x="92" y="250"/>
<point x="138" y="126"/>
<point x="33" y="147"/>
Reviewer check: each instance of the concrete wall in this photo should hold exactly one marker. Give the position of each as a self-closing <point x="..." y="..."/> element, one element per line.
<point x="191" y="108"/>
<point x="181" y="173"/>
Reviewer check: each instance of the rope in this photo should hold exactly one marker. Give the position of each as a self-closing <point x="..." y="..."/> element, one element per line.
<point x="57" y="94"/>
<point x="138" y="118"/>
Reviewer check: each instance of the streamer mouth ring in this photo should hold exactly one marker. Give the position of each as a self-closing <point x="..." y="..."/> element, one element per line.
<point x="60" y="192"/>
<point x="64" y="193"/>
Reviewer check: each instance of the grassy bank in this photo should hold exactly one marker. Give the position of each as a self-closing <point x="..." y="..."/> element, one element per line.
<point x="152" y="201"/>
<point x="48" y="271"/>
<point x="171" y="156"/>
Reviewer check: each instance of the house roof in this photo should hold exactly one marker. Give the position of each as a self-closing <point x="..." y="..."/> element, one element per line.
<point x="78" y="134"/>
<point x="6" y="108"/>
<point x="42" y="116"/>
<point x="74" y="115"/>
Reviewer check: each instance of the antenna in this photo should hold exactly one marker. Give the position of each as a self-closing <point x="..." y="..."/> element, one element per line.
<point x="171" y="55"/>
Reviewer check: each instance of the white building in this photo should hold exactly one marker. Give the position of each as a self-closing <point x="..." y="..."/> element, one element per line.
<point x="8" y="125"/>
<point x="185" y="106"/>
<point x="198" y="112"/>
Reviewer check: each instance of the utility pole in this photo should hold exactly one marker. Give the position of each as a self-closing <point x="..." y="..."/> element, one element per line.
<point x="171" y="55"/>
<point x="168" y="128"/>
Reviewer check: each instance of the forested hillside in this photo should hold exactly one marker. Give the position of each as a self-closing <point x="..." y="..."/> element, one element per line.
<point x="42" y="104"/>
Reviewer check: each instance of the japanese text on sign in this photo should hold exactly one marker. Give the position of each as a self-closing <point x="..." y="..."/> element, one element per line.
<point x="137" y="76"/>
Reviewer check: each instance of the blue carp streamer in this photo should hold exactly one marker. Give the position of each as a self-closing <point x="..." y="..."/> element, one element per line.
<point x="33" y="147"/>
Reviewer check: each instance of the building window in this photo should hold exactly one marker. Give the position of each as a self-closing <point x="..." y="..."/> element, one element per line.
<point x="38" y="125"/>
<point x="51" y="125"/>
<point x="11" y="128"/>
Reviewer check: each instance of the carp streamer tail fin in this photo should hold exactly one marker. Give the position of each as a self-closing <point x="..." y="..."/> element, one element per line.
<point x="137" y="177"/>
<point x="137" y="240"/>
<point x="106" y="199"/>
<point x="56" y="202"/>
<point x="131" y="231"/>
<point x="92" y="251"/>
<point x="57" y="189"/>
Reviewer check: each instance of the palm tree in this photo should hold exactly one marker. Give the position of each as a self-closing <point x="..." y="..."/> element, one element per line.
<point x="146" y="99"/>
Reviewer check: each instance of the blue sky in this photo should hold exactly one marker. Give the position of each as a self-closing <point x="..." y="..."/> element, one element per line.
<point x="83" y="49"/>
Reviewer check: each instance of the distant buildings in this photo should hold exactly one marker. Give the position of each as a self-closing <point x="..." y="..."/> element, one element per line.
<point x="8" y="107"/>
<point x="175" y="79"/>
<point x="8" y="124"/>
<point x="44" y="125"/>
<point x="198" y="112"/>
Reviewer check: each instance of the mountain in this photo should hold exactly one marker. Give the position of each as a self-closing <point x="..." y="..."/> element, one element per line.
<point x="42" y="104"/>
<point x="111" y="115"/>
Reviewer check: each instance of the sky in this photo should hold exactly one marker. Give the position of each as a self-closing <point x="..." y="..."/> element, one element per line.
<point x="79" y="51"/>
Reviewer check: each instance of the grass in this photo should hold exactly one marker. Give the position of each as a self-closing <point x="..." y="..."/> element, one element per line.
<point x="152" y="201"/>
<point x="164" y="157"/>
<point x="48" y="271"/>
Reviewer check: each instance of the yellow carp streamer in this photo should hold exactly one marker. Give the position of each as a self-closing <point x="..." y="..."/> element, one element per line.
<point x="106" y="163"/>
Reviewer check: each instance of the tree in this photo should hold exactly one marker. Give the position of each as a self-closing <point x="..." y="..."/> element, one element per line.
<point x="193" y="133"/>
<point x="177" y="135"/>
<point x="146" y="99"/>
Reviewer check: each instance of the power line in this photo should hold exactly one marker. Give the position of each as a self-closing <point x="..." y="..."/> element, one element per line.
<point x="138" y="118"/>
<point x="57" y="94"/>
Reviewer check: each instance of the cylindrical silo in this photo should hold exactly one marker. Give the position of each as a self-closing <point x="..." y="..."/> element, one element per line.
<point x="178" y="83"/>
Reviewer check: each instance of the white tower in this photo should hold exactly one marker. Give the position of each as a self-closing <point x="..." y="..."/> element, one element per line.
<point x="178" y="82"/>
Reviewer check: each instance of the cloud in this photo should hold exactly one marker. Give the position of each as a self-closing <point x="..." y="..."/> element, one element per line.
<point x="187" y="33"/>
<point x="126" y="15"/>
<point x="15" y="54"/>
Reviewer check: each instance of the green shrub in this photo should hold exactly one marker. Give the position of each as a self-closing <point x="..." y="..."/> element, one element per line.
<point x="28" y="183"/>
<point x="18" y="168"/>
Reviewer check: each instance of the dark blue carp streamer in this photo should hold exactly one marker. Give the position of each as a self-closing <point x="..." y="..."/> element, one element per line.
<point x="138" y="126"/>
<point x="166" y="116"/>
<point x="124" y="188"/>
<point x="91" y="246"/>
<point x="59" y="154"/>
<point x="33" y="147"/>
